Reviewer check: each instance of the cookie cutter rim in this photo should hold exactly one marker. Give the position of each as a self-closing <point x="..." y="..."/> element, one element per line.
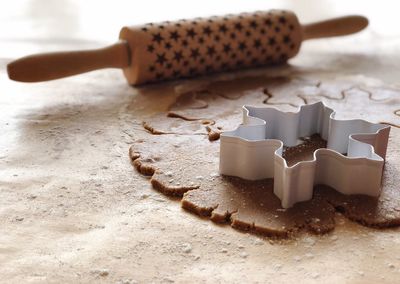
<point x="253" y="151"/>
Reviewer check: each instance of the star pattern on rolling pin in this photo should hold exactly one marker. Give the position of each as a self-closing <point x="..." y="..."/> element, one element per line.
<point x="188" y="48"/>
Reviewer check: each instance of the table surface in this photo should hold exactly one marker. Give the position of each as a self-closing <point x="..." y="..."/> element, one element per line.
<point x="72" y="207"/>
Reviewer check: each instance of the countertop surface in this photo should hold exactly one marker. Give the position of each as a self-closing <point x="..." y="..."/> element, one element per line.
<point x="74" y="210"/>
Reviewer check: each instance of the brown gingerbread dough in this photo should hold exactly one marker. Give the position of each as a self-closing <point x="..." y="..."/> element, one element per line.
<point x="183" y="162"/>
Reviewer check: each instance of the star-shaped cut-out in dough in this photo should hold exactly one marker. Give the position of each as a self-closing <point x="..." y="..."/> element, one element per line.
<point x="285" y="92"/>
<point x="359" y="101"/>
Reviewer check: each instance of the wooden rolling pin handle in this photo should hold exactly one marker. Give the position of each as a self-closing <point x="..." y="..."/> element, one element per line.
<point x="49" y="66"/>
<point x="334" y="27"/>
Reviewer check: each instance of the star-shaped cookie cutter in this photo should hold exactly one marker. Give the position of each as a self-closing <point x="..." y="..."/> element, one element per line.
<point x="352" y="163"/>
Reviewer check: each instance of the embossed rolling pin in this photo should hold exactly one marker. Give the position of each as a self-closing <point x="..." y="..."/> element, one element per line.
<point x="187" y="48"/>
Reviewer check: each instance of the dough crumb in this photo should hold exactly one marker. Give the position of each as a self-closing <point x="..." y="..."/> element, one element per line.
<point x="213" y="134"/>
<point x="187" y="248"/>
<point x="101" y="272"/>
<point x="144" y="196"/>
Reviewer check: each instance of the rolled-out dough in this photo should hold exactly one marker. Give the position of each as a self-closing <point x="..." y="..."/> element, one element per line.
<point x="183" y="162"/>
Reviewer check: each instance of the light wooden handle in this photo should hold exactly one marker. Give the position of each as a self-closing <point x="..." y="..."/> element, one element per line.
<point x="334" y="27"/>
<point x="49" y="66"/>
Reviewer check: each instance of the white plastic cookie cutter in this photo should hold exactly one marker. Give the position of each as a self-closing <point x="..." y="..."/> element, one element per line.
<point x="254" y="151"/>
